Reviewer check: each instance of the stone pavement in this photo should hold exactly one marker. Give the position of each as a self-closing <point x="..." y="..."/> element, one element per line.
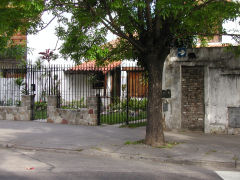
<point x="194" y="148"/>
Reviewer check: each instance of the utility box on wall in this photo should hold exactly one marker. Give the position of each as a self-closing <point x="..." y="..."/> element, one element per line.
<point x="234" y="117"/>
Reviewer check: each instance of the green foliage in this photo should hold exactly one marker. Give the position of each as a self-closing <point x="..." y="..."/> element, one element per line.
<point x="134" y="142"/>
<point x="140" y="25"/>
<point x="40" y="105"/>
<point x="124" y="87"/>
<point x="18" y="103"/>
<point x="13" y="51"/>
<point x="9" y="102"/>
<point x="235" y="50"/>
<point x="18" y="16"/>
<point x="133" y="104"/>
<point x="40" y="114"/>
<point x="121" y="117"/>
<point x="134" y="125"/>
<point x="75" y="104"/>
<point x="19" y="81"/>
<point x="40" y="110"/>
<point x="177" y="23"/>
<point x="38" y="64"/>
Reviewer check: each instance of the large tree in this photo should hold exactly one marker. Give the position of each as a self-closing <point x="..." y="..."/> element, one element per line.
<point x="146" y="31"/>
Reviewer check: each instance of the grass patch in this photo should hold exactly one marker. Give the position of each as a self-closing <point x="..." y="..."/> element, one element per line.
<point x="40" y="114"/>
<point x="139" y="124"/>
<point x="142" y="141"/>
<point x="96" y="148"/>
<point x="169" y="145"/>
<point x="73" y="107"/>
<point x="79" y="150"/>
<point x="211" y="151"/>
<point x="121" y="117"/>
<point x="235" y="158"/>
<point x="134" y="142"/>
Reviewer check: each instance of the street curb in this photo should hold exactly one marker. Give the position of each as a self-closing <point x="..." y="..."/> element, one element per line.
<point x="216" y="164"/>
<point x="6" y="145"/>
<point x="29" y="148"/>
<point x="231" y="164"/>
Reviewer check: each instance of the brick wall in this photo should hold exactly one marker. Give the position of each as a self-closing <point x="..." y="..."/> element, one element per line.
<point x="19" y="39"/>
<point x="192" y="97"/>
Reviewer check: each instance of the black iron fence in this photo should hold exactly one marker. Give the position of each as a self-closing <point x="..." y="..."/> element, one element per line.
<point x="120" y="87"/>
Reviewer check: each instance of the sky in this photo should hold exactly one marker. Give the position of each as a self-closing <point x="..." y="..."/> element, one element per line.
<point x="47" y="39"/>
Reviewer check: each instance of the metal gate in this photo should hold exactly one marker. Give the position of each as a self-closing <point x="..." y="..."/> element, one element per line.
<point x="126" y="100"/>
<point x="43" y="81"/>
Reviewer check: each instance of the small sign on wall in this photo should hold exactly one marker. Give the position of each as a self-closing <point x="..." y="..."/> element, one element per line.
<point x="181" y="52"/>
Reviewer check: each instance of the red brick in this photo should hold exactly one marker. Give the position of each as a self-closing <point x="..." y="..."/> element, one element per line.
<point x="90" y="111"/>
<point x="64" y="121"/>
<point x="50" y="120"/>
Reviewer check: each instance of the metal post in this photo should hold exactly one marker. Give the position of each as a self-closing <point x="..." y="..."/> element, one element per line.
<point x="98" y="109"/>
<point x="32" y="106"/>
<point x="49" y="81"/>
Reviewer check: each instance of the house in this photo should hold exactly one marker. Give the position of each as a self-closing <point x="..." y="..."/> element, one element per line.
<point x="205" y="91"/>
<point x="89" y="78"/>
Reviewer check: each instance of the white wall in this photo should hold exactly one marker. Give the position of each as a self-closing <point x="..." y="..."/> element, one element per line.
<point x="221" y="87"/>
<point x="9" y="91"/>
<point x="223" y="92"/>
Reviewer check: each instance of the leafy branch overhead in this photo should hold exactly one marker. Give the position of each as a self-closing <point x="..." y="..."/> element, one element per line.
<point x="163" y="23"/>
<point x="142" y="25"/>
<point x="19" y="16"/>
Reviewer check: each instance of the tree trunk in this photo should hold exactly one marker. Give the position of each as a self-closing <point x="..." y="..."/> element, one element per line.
<point x="154" y="129"/>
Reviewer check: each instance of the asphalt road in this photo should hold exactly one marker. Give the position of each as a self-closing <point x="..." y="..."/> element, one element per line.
<point x="39" y="151"/>
<point x="18" y="164"/>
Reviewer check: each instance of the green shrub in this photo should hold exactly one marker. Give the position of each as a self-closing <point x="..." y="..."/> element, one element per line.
<point x="40" y="105"/>
<point x="75" y="104"/>
<point x="19" y="81"/>
<point x="18" y="103"/>
<point x="121" y="117"/>
<point x="133" y="104"/>
<point x="9" y="102"/>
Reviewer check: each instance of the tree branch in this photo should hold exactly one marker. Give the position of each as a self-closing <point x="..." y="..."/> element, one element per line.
<point x="121" y="34"/>
<point x="110" y="25"/>
<point x="44" y="27"/>
<point x="157" y="21"/>
<point x="148" y="16"/>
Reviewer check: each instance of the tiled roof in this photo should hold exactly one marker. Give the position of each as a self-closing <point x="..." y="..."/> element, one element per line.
<point x="91" y="66"/>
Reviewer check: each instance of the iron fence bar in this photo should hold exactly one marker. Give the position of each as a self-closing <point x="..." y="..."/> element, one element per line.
<point x="127" y="120"/>
<point x="73" y="86"/>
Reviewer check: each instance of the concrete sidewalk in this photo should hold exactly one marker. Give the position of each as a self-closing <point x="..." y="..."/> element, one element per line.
<point x="192" y="147"/>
